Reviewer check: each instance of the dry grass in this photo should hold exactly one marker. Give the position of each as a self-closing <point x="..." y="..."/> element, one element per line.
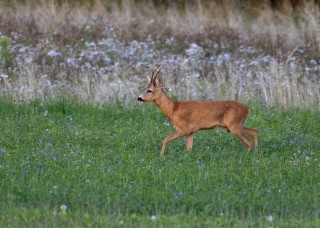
<point x="288" y="36"/>
<point x="274" y="86"/>
<point x="137" y="21"/>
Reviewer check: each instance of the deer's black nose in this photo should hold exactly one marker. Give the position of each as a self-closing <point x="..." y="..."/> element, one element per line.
<point x="140" y="99"/>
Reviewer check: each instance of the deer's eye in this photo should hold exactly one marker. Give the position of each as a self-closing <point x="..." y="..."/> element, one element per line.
<point x="149" y="91"/>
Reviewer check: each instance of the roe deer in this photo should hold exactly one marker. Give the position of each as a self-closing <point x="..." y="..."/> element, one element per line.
<point x="188" y="117"/>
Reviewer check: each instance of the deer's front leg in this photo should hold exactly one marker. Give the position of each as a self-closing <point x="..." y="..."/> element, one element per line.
<point x="189" y="141"/>
<point x="174" y="136"/>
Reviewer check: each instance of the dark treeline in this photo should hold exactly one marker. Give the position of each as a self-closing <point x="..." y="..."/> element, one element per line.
<point x="284" y="6"/>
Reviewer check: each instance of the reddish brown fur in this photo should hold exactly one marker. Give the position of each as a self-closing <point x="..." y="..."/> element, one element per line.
<point x="188" y="117"/>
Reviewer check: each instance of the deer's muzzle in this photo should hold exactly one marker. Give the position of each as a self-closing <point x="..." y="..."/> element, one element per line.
<point x="140" y="99"/>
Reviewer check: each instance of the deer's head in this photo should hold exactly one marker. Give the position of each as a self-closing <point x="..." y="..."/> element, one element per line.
<point x="153" y="90"/>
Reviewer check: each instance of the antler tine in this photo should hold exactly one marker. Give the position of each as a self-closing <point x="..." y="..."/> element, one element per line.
<point x="157" y="72"/>
<point x="158" y="76"/>
<point x="154" y="74"/>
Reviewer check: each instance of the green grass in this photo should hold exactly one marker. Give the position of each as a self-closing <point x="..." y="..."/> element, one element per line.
<point x="103" y="164"/>
<point x="5" y="56"/>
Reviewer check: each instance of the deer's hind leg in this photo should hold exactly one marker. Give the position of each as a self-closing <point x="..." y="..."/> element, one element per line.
<point x="244" y="139"/>
<point x="254" y="134"/>
<point x="234" y="123"/>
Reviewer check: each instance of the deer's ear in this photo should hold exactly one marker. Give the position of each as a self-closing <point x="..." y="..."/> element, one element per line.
<point x="148" y="78"/>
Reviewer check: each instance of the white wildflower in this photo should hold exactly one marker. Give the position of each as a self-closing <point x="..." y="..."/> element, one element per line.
<point x="63" y="207"/>
<point x="269" y="218"/>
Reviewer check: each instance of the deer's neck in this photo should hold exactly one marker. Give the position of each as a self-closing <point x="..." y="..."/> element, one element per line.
<point x="165" y="104"/>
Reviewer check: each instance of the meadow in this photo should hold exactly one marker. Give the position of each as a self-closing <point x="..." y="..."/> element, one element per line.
<point x="78" y="150"/>
<point x="83" y="165"/>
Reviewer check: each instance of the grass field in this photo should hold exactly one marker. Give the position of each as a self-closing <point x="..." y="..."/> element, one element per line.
<point x="68" y="164"/>
<point x="77" y="151"/>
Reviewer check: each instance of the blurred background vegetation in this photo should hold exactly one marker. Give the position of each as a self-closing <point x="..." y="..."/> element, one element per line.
<point x="87" y="45"/>
<point x="248" y="7"/>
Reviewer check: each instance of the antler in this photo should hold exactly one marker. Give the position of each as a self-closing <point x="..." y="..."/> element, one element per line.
<point x="156" y="76"/>
<point x="157" y="72"/>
